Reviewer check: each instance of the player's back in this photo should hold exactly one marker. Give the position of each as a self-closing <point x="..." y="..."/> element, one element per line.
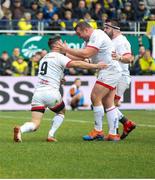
<point x="51" y="69"/>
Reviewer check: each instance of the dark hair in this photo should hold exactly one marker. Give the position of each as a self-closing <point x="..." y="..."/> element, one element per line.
<point x="4" y="52"/>
<point x="77" y="79"/>
<point x="82" y="25"/>
<point x="113" y="22"/>
<point x="53" y="40"/>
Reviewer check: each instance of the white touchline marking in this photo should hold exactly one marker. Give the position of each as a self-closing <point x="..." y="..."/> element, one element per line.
<point x="75" y="121"/>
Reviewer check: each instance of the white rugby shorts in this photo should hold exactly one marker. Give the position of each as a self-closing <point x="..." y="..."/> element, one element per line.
<point x="122" y="85"/>
<point x="46" y="97"/>
<point x="109" y="80"/>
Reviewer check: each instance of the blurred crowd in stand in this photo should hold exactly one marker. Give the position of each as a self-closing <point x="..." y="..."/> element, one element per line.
<point x="64" y="14"/>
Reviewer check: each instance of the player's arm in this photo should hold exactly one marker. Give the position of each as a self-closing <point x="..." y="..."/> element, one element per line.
<point x="85" y="65"/>
<point x="125" y="58"/>
<point x="75" y="58"/>
<point x="82" y="53"/>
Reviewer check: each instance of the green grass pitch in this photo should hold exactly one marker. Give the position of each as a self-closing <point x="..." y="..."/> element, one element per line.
<point x="71" y="157"/>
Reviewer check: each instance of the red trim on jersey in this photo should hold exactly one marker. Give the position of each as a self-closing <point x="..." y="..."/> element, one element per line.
<point x="110" y="109"/>
<point x="42" y="81"/>
<point x="117" y="97"/>
<point x="38" y="108"/>
<point x="57" y="106"/>
<point x="93" y="47"/>
<point x="126" y="54"/>
<point x="67" y="65"/>
<point x="105" y="85"/>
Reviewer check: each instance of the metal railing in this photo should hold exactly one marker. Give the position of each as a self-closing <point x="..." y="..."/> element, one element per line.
<point x="41" y="27"/>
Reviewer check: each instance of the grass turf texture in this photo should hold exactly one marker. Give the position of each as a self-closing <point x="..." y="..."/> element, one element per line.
<point x="71" y="157"/>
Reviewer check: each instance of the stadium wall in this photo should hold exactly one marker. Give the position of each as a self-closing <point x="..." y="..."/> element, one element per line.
<point x="31" y="44"/>
<point x="16" y="92"/>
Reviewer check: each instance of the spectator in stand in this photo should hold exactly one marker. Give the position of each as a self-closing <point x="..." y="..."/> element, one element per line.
<point x="129" y="12"/>
<point x="74" y="3"/>
<point x="24" y="24"/>
<point x="97" y="12"/>
<point x="67" y="6"/>
<point x="42" y="3"/>
<point x="34" y="8"/>
<point x="26" y="3"/>
<point x="134" y="4"/>
<point x="87" y="18"/>
<point x="57" y="3"/>
<point x="150" y="25"/>
<point x="33" y="65"/>
<point x="17" y="12"/>
<point x="147" y="63"/>
<point x="43" y="53"/>
<point x="1" y="12"/>
<point x="39" y="22"/>
<point x="15" y="54"/>
<point x="135" y="66"/>
<point x="20" y="67"/>
<point x="81" y="10"/>
<point x="142" y="12"/>
<point x="5" y="65"/>
<point x="49" y="10"/>
<point x="38" y="55"/>
<point x="6" y="21"/>
<point x="110" y="8"/>
<point x="4" y="7"/>
<point x="104" y="18"/>
<point x="124" y="24"/>
<point x="55" y="23"/>
<point x="68" y="21"/>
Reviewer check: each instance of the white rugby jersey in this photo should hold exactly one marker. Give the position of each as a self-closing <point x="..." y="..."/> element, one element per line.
<point x="51" y="69"/>
<point x="101" y="41"/>
<point x="122" y="47"/>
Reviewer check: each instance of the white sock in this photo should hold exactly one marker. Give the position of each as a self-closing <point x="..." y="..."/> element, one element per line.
<point x="27" y="127"/>
<point x="56" y="123"/>
<point x="98" y="116"/>
<point x="112" y="120"/>
<point x="119" y="115"/>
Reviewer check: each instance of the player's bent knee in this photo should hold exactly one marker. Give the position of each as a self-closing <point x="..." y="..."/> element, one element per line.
<point x="58" y="107"/>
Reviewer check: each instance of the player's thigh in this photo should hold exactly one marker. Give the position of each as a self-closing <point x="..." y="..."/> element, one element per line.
<point x="108" y="100"/>
<point x="98" y="92"/>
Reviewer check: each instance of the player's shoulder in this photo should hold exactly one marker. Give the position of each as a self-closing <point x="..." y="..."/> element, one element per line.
<point x="100" y="36"/>
<point x="52" y="54"/>
<point x="123" y="38"/>
<point x="99" y="32"/>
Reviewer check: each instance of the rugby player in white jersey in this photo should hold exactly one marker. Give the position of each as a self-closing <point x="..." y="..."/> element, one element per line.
<point x="99" y="47"/>
<point x="124" y="56"/>
<point x="47" y="93"/>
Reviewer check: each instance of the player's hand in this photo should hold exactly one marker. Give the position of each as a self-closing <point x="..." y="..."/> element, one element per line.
<point x="88" y="60"/>
<point x="63" y="80"/>
<point x="61" y="46"/>
<point x="115" y="56"/>
<point x="101" y="65"/>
